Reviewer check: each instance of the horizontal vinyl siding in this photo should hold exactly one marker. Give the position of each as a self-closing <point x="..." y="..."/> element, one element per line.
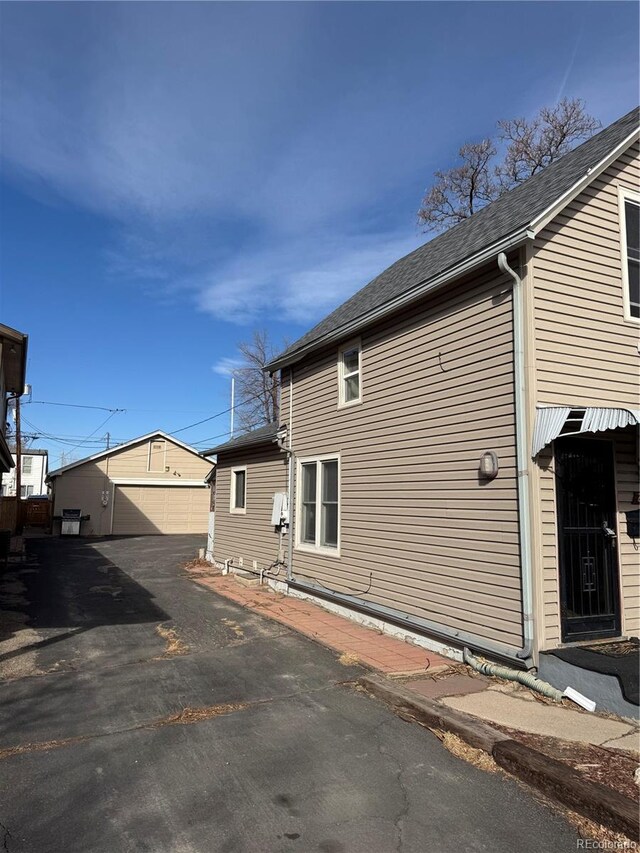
<point x="81" y="488"/>
<point x="586" y="352"/>
<point x="133" y="462"/>
<point x="549" y="538"/>
<point x="437" y="391"/>
<point x="626" y="475"/>
<point x="627" y="483"/>
<point x="250" y="535"/>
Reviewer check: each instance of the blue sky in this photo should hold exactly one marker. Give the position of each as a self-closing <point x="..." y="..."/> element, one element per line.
<point x="175" y="175"/>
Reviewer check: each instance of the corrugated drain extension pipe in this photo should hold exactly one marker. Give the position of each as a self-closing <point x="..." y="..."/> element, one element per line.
<point x="525" y="678"/>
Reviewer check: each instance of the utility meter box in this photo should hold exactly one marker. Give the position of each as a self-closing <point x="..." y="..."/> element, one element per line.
<point x="280" y="511"/>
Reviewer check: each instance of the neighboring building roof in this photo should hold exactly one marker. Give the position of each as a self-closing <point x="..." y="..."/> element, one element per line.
<point x="117" y="448"/>
<point x="257" y="436"/>
<point x="503" y="224"/>
<point x="14" y="358"/>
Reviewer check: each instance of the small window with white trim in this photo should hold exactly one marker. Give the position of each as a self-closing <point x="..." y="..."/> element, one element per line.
<point x="238" y="490"/>
<point x="27" y="464"/>
<point x="319" y="504"/>
<point x="350" y="374"/>
<point x="630" y="240"/>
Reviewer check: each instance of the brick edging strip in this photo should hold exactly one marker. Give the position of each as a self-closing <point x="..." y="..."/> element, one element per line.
<point x="556" y="780"/>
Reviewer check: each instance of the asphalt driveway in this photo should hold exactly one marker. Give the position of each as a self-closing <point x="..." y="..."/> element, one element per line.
<point x="251" y="738"/>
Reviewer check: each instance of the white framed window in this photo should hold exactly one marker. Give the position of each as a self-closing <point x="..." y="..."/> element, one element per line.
<point x="26" y="491"/>
<point x="27" y="464"/>
<point x="157" y="456"/>
<point x="238" y="498"/>
<point x="318" y="527"/>
<point x="629" y="206"/>
<point x="350" y="374"/>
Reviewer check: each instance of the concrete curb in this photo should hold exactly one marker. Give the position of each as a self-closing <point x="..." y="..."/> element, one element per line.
<point x="556" y="780"/>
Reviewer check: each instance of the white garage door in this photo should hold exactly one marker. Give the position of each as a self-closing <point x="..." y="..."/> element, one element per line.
<point x="160" y="509"/>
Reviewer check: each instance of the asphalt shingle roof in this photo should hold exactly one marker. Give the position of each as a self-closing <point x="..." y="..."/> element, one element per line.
<point x="256" y="436"/>
<point x="508" y="214"/>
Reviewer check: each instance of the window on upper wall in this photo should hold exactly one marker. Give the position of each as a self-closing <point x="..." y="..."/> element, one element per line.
<point x="319" y="504"/>
<point x="630" y="239"/>
<point x="27" y="464"/>
<point x="238" y="500"/>
<point x="350" y="374"/>
<point x="157" y="456"/>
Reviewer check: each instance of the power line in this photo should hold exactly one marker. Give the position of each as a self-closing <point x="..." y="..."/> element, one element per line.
<point x="104" y="422"/>
<point x="115" y="411"/>
<point x="217" y="415"/>
<point x="108" y="409"/>
<point x="73" y="406"/>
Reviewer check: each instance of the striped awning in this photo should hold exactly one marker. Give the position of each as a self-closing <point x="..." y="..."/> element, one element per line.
<point x="550" y="421"/>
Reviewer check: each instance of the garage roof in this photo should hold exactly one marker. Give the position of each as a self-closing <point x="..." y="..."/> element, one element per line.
<point x="257" y="436"/>
<point x="117" y="448"/>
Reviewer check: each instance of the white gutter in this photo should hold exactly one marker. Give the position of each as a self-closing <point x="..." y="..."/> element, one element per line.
<point x="419" y="290"/>
<point x="522" y="457"/>
<point x="511" y="241"/>
<point x="590" y="175"/>
<point x="156" y="481"/>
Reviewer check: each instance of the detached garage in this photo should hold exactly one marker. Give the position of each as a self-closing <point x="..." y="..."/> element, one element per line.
<point x="154" y="484"/>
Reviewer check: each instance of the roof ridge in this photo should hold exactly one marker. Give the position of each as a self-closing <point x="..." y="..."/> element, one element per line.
<point x="510" y="211"/>
<point x="117" y="447"/>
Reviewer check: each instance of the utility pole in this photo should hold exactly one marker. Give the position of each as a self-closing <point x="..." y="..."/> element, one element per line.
<point x="18" y="470"/>
<point x="233" y="395"/>
<point x="108" y="438"/>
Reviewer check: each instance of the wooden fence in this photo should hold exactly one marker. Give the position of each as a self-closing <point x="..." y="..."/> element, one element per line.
<point x="33" y="513"/>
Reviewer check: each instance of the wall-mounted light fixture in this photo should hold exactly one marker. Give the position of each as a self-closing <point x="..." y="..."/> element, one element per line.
<point x="489" y="465"/>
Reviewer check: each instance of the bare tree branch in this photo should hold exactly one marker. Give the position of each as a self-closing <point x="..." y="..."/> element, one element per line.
<point x="534" y="145"/>
<point x="459" y="192"/>
<point x="257" y="393"/>
<point x="531" y="145"/>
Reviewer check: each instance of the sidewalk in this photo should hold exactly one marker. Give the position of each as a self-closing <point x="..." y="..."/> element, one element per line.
<point x="357" y="643"/>
<point x="598" y="752"/>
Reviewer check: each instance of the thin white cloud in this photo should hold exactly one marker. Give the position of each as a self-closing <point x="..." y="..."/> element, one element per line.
<point x="226" y="365"/>
<point x="253" y="155"/>
<point x="136" y="123"/>
<point x="298" y="282"/>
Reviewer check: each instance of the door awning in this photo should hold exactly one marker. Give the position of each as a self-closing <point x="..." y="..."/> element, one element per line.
<point x="551" y="420"/>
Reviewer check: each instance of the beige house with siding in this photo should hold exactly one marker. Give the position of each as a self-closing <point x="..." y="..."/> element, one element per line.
<point x="459" y="440"/>
<point x="250" y="470"/>
<point x="152" y="485"/>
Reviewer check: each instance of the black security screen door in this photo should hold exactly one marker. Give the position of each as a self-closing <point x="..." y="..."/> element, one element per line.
<point x="587" y="539"/>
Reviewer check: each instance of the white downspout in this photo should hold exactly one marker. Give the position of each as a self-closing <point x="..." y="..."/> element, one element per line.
<point x="522" y="463"/>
